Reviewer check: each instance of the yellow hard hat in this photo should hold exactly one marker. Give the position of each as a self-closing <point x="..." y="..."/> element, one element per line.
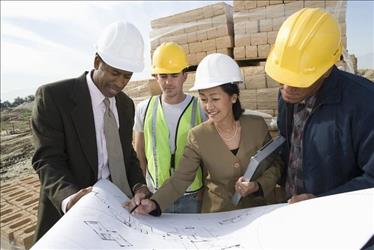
<point x="307" y="45"/>
<point x="169" y="58"/>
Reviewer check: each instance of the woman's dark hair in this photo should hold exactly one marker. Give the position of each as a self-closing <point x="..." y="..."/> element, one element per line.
<point x="232" y="89"/>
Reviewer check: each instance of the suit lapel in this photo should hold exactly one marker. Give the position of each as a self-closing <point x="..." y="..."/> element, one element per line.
<point x="83" y="119"/>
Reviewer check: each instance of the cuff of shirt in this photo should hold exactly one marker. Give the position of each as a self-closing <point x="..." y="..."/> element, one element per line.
<point x="64" y="203"/>
<point x="259" y="192"/>
<point x="138" y="186"/>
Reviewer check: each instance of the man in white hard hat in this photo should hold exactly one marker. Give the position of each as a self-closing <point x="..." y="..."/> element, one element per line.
<point x="75" y="143"/>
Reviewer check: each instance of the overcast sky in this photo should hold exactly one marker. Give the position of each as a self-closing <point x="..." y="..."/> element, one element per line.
<point x="48" y="41"/>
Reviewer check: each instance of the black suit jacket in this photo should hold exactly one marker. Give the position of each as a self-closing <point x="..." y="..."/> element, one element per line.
<point x="65" y="141"/>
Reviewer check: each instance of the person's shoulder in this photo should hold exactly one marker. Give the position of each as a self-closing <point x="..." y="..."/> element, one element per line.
<point x="142" y="105"/>
<point x="251" y="117"/>
<point x="124" y="97"/>
<point x="358" y="82"/>
<point x="61" y="84"/>
<point x="202" y="128"/>
<point x="357" y="93"/>
<point x="253" y="121"/>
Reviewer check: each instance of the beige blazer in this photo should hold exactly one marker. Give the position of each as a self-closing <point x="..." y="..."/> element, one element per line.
<point x="221" y="167"/>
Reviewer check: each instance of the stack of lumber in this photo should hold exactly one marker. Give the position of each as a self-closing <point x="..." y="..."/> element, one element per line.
<point x="142" y="88"/>
<point x="256" y="23"/>
<point x="200" y="31"/>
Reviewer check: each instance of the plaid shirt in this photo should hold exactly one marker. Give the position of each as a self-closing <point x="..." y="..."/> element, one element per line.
<point x="295" y="182"/>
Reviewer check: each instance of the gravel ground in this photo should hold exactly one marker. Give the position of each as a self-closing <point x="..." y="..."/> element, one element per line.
<point x="20" y="169"/>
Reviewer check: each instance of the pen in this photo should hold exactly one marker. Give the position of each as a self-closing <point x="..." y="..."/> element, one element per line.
<point x="147" y="196"/>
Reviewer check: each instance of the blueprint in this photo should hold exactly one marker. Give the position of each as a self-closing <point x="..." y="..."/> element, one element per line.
<point x="98" y="221"/>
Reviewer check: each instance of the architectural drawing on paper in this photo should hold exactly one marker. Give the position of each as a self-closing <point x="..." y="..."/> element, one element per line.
<point x="106" y="234"/>
<point x="191" y="236"/>
<point x="239" y="217"/>
<point x="100" y="221"/>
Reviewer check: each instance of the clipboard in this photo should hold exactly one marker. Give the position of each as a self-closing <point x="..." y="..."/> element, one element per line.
<point x="256" y="160"/>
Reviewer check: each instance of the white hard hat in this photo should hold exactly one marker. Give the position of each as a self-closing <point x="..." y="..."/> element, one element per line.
<point x="216" y="69"/>
<point x="121" y="46"/>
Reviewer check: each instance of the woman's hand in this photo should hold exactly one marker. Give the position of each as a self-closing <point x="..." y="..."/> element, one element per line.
<point x="245" y="187"/>
<point x="140" y="203"/>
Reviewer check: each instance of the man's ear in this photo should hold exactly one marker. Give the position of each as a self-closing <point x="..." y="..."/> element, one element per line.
<point x="97" y="61"/>
<point x="184" y="76"/>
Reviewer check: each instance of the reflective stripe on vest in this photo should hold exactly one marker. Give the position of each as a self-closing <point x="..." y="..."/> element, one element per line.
<point x="161" y="163"/>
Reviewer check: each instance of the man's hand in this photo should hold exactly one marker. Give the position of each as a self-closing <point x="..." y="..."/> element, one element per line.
<point x="245" y="187"/>
<point x="76" y="197"/>
<point x="300" y="197"/>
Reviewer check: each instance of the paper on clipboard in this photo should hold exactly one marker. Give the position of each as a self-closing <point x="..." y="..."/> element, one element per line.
<point x="269" y="148"/>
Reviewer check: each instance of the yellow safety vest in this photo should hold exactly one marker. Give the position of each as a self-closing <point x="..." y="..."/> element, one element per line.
<point x="161" y="163"/>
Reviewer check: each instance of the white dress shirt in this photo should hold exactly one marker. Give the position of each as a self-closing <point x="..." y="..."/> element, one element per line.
<point x="98" y="108"/>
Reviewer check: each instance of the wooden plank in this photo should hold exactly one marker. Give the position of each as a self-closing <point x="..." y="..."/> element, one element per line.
<point x="242" y="40"/>
<point x="266" y="25"/>
<point x="251" y="52"/>
<point x="274" y="11"/>
<point x="292" y="7"/>
<point x="224" y="42"/>
<point x="259" y="38"/>
<point x="239" y="53"/>
<point x="272" y="35"/>
<point x="263" y="50"/>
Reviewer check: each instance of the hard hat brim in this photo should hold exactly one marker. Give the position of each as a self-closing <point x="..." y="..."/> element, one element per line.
<point x="167" y="71"/>
<point x="213" y="83"/>
<point x="121" y="63"/>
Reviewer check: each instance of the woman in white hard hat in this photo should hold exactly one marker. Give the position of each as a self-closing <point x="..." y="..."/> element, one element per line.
<point x="223" y="145"/>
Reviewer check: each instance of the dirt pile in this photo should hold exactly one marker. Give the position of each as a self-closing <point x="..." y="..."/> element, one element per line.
<point x="16" y="142"/>
<point x="16" y="153"/>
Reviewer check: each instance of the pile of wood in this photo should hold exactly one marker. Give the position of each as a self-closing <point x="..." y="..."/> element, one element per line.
<point x="256" y="23"/>
<point x="200" y="31"/>
<point x="139" y="90"/>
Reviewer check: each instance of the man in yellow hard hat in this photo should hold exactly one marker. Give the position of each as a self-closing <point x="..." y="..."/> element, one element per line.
<point x="327" y="115"/>
<point x="79" y="125"/>
<point x="162" y="124"/>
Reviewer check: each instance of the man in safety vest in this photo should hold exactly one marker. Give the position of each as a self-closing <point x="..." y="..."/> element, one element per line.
<point x="327" y="115"/>
<point x="162" y="124"/>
